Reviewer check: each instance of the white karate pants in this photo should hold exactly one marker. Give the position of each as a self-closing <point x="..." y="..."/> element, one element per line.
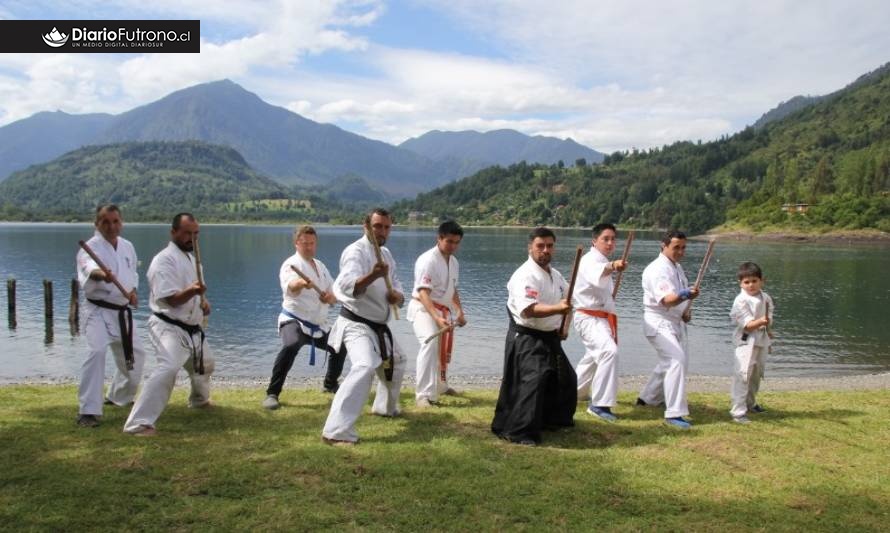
<point x="362" y="349"/>
<point x="598" y="369"/>
<point x="102" y="331"/>
<point x="668" y="380"/>
<point x="428" y="382"/>
<point x="173" y="353"/>
<point x="744" y="395"/>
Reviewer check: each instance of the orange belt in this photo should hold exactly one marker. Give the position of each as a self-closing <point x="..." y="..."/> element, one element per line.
<point x="445" y="342"/>
<point x="610" y="317"/>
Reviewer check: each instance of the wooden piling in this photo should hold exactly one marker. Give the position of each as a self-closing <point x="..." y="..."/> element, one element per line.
<point x="48" y="310"/>
<point x="10" y="302"/>
<point x="48" y="299"/>
<point x="10" y="295"/>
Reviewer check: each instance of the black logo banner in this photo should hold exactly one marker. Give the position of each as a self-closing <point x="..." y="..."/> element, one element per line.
<point x="100" y="36"/>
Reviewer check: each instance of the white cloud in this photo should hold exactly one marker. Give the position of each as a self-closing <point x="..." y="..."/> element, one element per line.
<point x="609" y="74"/>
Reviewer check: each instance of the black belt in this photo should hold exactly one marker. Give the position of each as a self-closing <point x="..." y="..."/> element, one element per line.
<point x="382" y="331"/>
<point x="536" y="333"/>
<point x="125" y="320"/>
<point x="191" y="329"/>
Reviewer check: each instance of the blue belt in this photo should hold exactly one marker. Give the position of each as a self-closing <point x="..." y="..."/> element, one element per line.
<point x="313" y="328"/>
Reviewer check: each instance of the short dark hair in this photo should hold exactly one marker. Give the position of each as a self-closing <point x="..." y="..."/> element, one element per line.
<point x="177" y="220"/>
<point x="299" y="231"/>
<point x="378" y="211"/>
<point x="541" y="233"/>
<point x="749" y="269"/>
<point x="107" y="207"/>
<point x="601" y="227"/>
<point x="672" y="234"/>
<point x="450" y="227"/>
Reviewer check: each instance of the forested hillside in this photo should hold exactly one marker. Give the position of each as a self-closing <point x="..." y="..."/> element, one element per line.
<point x="152" y="181"/>
<point x="833" y="156"/>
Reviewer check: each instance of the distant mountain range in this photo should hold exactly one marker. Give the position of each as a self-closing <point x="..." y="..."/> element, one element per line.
<point x="499" y="147"/>
<point x="275" y="141"/>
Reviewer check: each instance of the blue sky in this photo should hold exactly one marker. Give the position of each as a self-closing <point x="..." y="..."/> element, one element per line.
<point x="612" y="75"/>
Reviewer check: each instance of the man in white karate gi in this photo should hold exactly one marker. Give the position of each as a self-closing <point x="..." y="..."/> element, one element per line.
<point x="436" y="274"/>
<point x="304" y="314"/>
<point x="362" y="330"/>
<point x="174" y="328"/>
<point x="108" y="320"/>
<point x="666" y="295"/>
<point x="597" y="324"/>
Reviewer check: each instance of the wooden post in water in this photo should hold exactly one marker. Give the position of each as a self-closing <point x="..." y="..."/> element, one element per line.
<point x="74" y="307"/>
<point x="48" y="299"/>
<point x="10" y="301"/>
<point x="48" y="309"/>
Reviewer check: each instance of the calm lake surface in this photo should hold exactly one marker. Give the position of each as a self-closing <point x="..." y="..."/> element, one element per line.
<point x="830" y="299"/>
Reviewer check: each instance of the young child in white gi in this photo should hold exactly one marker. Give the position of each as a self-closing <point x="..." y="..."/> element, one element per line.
<point x="752" y="313"/>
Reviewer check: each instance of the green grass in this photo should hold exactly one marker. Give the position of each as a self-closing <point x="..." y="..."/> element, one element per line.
<point x="814" y="461"/>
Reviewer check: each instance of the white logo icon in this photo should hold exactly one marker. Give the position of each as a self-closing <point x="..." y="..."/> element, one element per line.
<point x="55" y="39"/>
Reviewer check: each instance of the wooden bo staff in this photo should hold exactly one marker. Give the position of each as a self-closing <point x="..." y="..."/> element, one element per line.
<point x="370" y="236"/>
<point x="704" y="263"/>
<point x="439" y="333"/>
<point x="630" y="240"/>
<point x="94" y="257"/>
<point x="701" y="274"/>
<point x="307" y="280"/>
<point x="200" y="274"/>
<point x="564" y="325"/>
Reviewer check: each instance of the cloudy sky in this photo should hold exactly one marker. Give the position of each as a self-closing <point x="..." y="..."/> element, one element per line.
<point x="610" y="74"/>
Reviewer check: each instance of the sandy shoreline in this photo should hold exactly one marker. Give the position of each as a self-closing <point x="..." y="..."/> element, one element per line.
<point x="695" y="383"/>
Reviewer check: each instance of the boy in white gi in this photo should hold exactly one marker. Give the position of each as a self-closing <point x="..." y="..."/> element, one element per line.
<point x="752" y="313"/>
<point x="666" y="295"/>
<point x="362" y="330"/>
<point x="597" y="324"/>
<point x="435" y="291"/>
<point x="174" y="328"/>
<point x="108" y="318"/>
<point x="304" y="313"/>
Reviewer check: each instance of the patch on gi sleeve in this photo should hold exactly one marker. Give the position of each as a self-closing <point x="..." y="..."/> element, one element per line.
<point x="530" y="292"/>
<point x="426" y="279"/>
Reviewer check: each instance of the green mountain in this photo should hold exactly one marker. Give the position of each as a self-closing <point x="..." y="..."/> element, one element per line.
<point x="833" y="156"/>
<point x="151" y="180"/>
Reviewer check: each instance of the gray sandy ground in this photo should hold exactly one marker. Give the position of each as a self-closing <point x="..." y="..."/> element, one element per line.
<point x="626" y="383"/>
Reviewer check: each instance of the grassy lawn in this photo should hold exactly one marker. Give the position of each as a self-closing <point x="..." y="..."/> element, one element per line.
<point x="816" y="460"/>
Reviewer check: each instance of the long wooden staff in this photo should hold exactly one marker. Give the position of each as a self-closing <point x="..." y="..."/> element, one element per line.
<point x="701" y="273"/>
<point x="564" y="325"/>
<point x="307" y="280"/>
<point x="370" y="235"/>
<point x="704" y="263"/>
<point x="630" y="240"/>
<point x="200" y="274"/>
<point x="127" y="338"/>
<point x="92" y="254"/>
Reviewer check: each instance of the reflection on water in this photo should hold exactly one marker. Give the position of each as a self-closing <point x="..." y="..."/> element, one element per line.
<point x="829" y="298"/>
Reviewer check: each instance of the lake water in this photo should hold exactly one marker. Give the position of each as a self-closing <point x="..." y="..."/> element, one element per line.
<point x="830" y="299"/>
